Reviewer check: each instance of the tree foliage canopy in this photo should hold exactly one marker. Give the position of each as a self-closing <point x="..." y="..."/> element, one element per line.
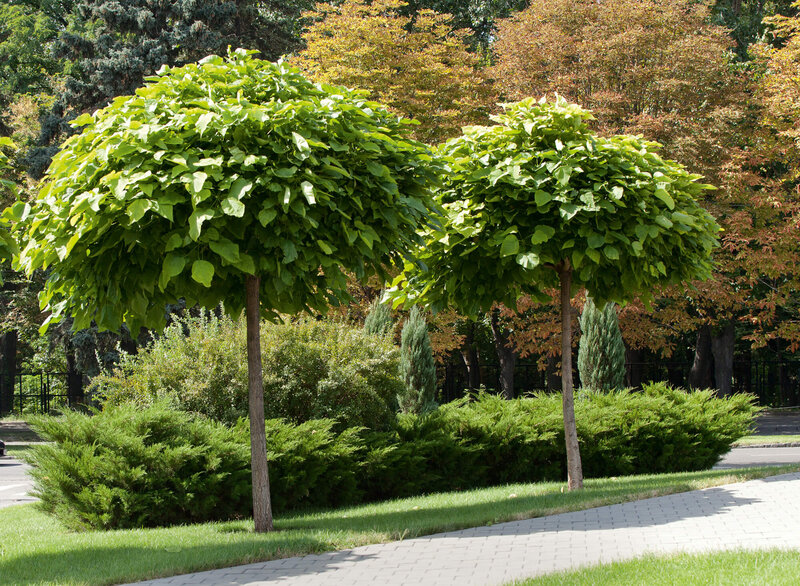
<point x="539" y="189"/>
<point x="216" y="171"/>
<point x="420" y="66"/>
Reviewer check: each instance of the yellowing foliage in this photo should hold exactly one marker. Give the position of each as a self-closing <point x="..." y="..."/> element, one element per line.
<point x="419" y="67"/>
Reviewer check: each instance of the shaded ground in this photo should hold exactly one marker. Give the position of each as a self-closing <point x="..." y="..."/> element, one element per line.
<point x="17" y="431"/>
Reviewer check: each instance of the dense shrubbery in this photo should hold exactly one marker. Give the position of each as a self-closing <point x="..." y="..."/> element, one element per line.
<point x="312" y="370"/>
<point x="129" y="467"/>
<point x="156" y="466"/>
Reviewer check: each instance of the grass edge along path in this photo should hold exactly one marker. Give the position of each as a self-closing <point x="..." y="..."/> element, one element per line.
<point x="771" y="441"/>
<point x="772" y="566"/>
<point x="36" y="549"/>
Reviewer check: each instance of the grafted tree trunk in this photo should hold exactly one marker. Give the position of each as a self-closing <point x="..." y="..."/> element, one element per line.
<point x="722" y="346"/>
<point x="701" y="374"/>
<point x="505" y="355"/>
<point x="574" y="468"/>
<point x="262" y="506"/>
<point x="469" y="353"/>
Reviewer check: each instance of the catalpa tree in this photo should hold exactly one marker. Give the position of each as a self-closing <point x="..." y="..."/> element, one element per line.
<point x="231" y="180"/>
<point x="539" y="201"/>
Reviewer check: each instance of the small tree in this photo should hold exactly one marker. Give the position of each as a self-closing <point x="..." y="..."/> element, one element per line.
<point x="601" y="351"/>
<point x="379" y="319"/>
<point x="540" y="201"/>
<point x="232" y="180"/>
<point x="417" y="367"/>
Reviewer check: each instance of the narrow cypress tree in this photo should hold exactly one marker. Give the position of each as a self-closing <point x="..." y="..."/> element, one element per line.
<point x="601" y="352"/>
<point x="379" y="319"/>
<point x="417" y="367"/>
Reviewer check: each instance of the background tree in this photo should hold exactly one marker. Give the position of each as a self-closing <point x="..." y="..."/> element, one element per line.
<point x="420" y="67"/>
<point x="540" y="201"/>
<point x="601" y="351"/>
<point x="232" y="180"/>
<point x="417" y="367"/>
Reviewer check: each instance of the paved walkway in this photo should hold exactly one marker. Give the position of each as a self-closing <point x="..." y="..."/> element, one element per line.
<point x="14" y="482"/>
<point x="756" y="515"/>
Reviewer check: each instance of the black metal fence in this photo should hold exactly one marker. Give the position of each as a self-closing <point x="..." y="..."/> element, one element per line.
<point x="39" y="392"/>
<point x="774" y="383"/>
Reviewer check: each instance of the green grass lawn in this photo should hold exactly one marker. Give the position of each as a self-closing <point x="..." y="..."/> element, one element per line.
<point x="762" y="568"/>
<point x="36" y="549"/>
<point x="758" y="440"/>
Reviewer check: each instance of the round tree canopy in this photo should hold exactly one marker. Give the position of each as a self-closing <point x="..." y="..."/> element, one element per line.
<point x="539" y="193"/>
<point x="219" y="170"/>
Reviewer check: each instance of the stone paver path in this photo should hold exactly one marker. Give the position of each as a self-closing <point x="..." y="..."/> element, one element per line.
<point x="14" y="483"/>
<point x="755" y="515"/>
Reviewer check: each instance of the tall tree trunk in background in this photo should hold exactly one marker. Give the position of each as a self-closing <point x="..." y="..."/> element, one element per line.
<point x="551" y="374"/>
<point x="722" y="346"/>
<point x="471" y="360"/>
<point x="574" y="468"/>
<point x="505" y="354"/>
<point x="262" y="506"/>
<point x="8" y="370"/>
<point x="701" y="375"/>
<point x="633" y="376"/>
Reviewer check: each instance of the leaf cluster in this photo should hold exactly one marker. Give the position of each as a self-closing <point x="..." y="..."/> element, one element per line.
<point x="539" y="193"/>
<point x="219" y="170"/>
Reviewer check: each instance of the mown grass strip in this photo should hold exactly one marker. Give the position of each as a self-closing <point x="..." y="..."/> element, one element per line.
<point x="36" y="549"/>
<point x="773" y="567"/>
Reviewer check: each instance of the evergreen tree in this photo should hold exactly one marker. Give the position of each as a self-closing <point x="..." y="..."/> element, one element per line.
<point x="379" y="319"/>
<point x="113" y="46"/>
<point x="417" y="367"/>
<point x="601" y="352"/>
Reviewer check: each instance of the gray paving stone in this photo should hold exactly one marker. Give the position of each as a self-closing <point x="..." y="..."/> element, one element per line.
<point x="753" y="515"/>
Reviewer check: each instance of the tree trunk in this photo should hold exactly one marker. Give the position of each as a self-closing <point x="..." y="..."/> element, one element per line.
<point x="701" y="375"/>
<point x="722" y="349"/>
<point x="635" y="370"/>
<point x="505" y="354"/>
<point x="262" y="507"/>
<point x="574" y="469"/>
<point x="551" y="374"/>
<point x="470" y="355"/>
<point x="8" y="368"/>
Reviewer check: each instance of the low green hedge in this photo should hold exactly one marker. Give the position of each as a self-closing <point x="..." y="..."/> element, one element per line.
<point x="129" y="466"/>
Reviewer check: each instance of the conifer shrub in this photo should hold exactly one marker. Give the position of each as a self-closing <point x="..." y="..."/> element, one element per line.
<point x="417" y="366"/>
<point x="379" y="319"/>
<point x="601" y="350"/>
<point x="312" y="370"/>
<point x="131" y="467"/>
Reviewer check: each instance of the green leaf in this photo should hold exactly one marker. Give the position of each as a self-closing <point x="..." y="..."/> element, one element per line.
<point x="308" y="191"/>
<point x="196" y="222"/>
<point x="232" y="207"/>
<point x="593" y="254"/>
<point x="266" y="216"/>
<point x="542" y="197"/>
<point x="203" y="122"/>
<point x="172" y="266"/>
<point x="198" y="181"/>
<point x="240" y="188"/>
<point x="285" y="172"/>
<point x="138" y="208"/>
<point x="510" y="246"/>
<point x="529" y="260"/>
<point x="226" y="249"/>
<point x="324" y="246"/>
<point x="617" y="192"/>
<point x="611" y="252"/>
<point x="596" y="240"/>
<point x="665" y="197"/>
<point x="203" y="272"/>
<point x="542" y="234"/>
<point x="300" y="142"/>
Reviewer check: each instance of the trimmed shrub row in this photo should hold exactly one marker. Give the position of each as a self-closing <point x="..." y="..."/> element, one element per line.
<point x="130" y="467"/>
